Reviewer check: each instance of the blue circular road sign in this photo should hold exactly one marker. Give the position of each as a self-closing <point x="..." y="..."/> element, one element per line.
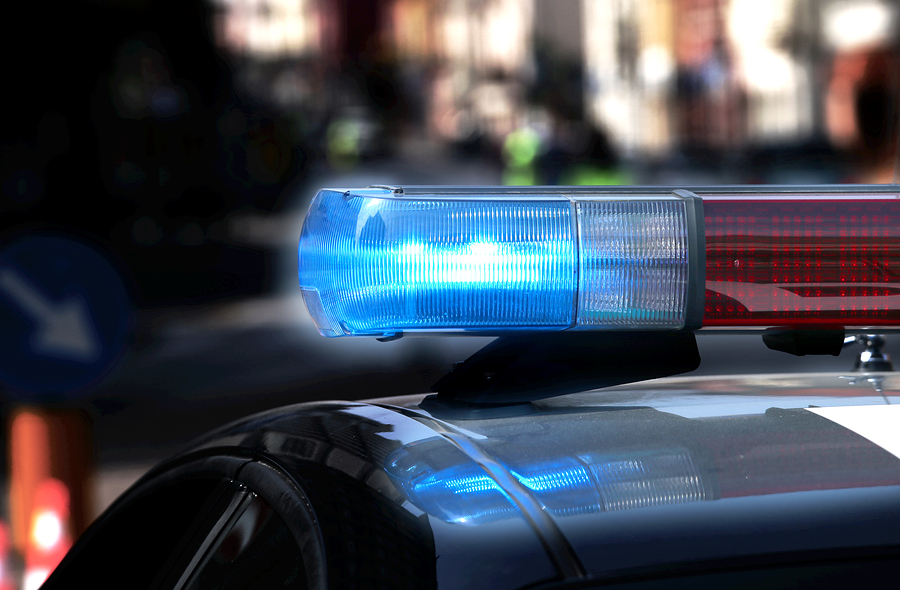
<point x="64" y="315"/>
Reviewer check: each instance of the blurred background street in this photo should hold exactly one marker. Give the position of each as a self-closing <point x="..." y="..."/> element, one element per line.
<point x="182" y="142"/>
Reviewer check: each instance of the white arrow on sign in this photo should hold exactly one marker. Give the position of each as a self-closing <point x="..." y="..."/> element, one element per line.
<point x="62" y="329"/>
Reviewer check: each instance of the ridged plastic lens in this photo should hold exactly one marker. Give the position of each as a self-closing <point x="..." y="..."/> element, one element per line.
<point x="374" y="263"/>
<point x="385" y="264"/>
<point x="634" y="258"/>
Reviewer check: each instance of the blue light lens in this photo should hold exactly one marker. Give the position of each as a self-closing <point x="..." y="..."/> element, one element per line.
<point x="376" y="264"/>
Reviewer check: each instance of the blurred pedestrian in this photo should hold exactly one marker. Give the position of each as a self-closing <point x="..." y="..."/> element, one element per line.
<point x="862" y="111"/>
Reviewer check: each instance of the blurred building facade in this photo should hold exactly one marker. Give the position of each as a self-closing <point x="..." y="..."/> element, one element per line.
<point x="660" y="77"/>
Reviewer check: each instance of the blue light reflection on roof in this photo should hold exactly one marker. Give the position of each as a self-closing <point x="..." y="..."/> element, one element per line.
<point x="564" y="486"/>
<point x="646" y="479"/>
<point x="442" y="481"/>
<point x="462" y="493"/>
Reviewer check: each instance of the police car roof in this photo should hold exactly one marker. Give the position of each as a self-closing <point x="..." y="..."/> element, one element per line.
<point x="619" y="482"/>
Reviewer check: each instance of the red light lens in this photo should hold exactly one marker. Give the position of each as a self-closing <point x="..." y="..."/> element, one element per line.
<point x="802" y="262"/>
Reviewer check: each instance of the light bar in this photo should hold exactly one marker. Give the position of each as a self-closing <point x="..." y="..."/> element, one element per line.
<point x="493" y="261"/>
<point x="381" y="262"/>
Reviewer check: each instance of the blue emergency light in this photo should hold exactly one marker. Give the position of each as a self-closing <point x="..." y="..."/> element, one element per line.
<point x="384" y="261"/>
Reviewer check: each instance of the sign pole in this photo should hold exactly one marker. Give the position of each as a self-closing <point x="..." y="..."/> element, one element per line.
<point x="48" y="449"/>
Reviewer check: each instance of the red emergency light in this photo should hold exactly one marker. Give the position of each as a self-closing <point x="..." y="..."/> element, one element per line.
<point x="802" y="260"/>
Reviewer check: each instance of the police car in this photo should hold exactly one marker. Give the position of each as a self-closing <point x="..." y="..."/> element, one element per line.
<point x="566" y="453"/>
